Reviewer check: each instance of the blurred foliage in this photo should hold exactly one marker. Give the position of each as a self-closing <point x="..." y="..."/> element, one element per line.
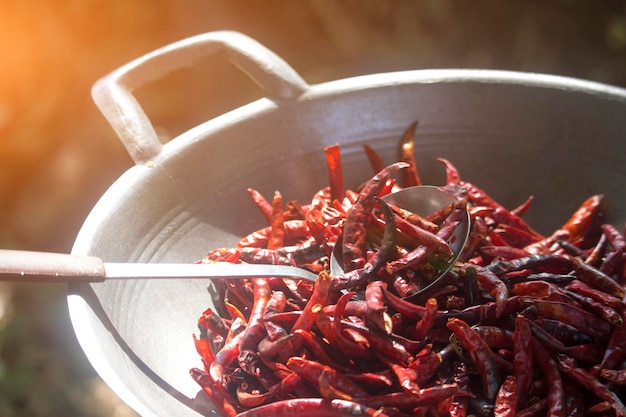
<point x="58" y="155"/>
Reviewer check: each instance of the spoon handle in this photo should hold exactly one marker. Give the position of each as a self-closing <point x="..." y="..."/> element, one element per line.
<point x="27" y="266"/>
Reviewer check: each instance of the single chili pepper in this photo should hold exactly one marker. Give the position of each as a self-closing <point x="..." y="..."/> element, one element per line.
<point x="484" y="313"/>
<point x="276" y="304"/>
<point x="224" y="358"/>
<point x="459" y="403"/>
<point x="374" y="298"/>
<point x="616" y="349"/>
<point x="388" y="243"/>
<point x="601" y="296"/>
<point x="349" y="280"/>
<point x="385" y="344"/>
<point x="506" y="235"/>
<point x="425" y="363"/>
<point x="615" y="376"/>
<point x="414" y="218"/>
<point x="595" y="278"/>
<point x="321" y="350"/>
<point x="452" y="173"/>
<point x="204" y="350"/>
<point x="522" y="208"/>
<point x="568" y="335"/>
<point x="250" y="399"/>
<point x="596" y="254"/>
<point x="540" y="289"/>
<point x="506" y="400"/>
<point x="591" y="384"/>
<point x="407" y="309"/>
<point x="615" y="237"/>
<point x="439" y="215"/>
<point x="588" y="352"/>
<point x="372" y="381"/>
<point x="611" y="264"/>
<point x="211" y="321"/>
<point x="319" y="298"/>
<point x="406" y="153"/>
<point x="471" y="294"/>
<point x="539" y="276"/>
<point x="523" y="361"/>
<point x="495" y="238"/>
<point x="324" y="325"/>
<point x="481" y="407"/>
<point x="539" y="263"/>
<point x="312" y="407"/>
<point x="479" y="197"/>
<point x="504" y="217"/>
<point x="354" y="307"/>
<point x="536" y="409"/>
<point x="490" y="282"/>
<point x="556" y="394"/>
<point x="575" y="404"/>
<point x="266" y="256"/>
<point x="401" y="285"/>
<point x="548" y="341"/>
<point x="502" y="252"/>
<point x="262" y="204"/>
<point x="295" y="211"/>
<point x="374" y="158"/>
<point x="571" y="248"/>
<point x="277" y="234"/>
<point x="327" y="390"/>
<point x="237" y="326"/>
<point x="408" y="401"/>
<point x="311" y="371"/>
<point x="609" y="314"/>
<point x="289" y="381"/>
<point x="495" y="337"/>
<point x="575" y="228"/>
<point x="295" y="231"/>
<point x="222" y="399"/>
<point x="406" y="376"/>
<point x="346" y="345"/>
<point x="335" y="172"/>
<point x="475" y="239"/>
<point x="283" y="346"/>
<point x="574" y="316"/>
<point x="422" y="327"/>
<point x="423" y="236"/>
<point x="255" y="330"/>
<point x="479" y="353"/>
<point x="353" y="244"/>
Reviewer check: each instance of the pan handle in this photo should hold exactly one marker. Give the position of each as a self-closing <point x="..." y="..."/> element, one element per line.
<point x="113" y="94"/>
<point x="27" y="266"/>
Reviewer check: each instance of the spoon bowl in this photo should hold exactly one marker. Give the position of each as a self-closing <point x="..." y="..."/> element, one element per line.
<point x="421" y="200"/>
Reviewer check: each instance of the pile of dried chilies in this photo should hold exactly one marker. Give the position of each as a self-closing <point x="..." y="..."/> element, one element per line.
<point x="524" y="324"/>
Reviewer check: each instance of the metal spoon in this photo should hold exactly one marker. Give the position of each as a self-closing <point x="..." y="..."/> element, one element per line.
<point x="421" y="200"/>
<point x="27" y="266"/>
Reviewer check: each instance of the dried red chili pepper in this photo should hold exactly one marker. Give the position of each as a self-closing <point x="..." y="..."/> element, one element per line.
<point x="481" y="356"/>
<point x="407" y="154"/>
<point x="396" y="352"/>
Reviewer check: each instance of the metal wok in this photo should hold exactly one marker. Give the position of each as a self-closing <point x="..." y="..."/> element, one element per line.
<point x="514" y="134"/>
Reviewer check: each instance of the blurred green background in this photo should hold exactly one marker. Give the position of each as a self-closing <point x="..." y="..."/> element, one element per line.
<point x="58" y="155"/>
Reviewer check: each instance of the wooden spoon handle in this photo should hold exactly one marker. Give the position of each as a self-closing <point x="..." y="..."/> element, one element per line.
<point x="27" y="266"/>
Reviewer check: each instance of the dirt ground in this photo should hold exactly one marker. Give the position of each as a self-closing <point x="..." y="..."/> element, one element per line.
<point x="58" y="155"/>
